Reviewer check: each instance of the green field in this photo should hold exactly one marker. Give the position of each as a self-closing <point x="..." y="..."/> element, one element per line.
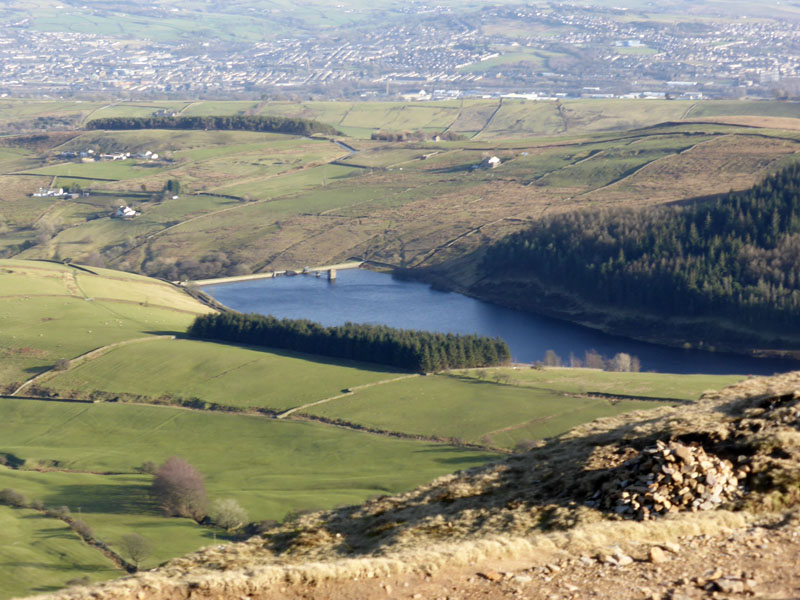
<point x="86" y="455"/>
<point x="585" y="381"/>
<point x="538" y="403"/>
<point x="42" y="554"/>
<point x="109" y="170"/>
<point x="529" y="118"/>
<point x="49" y="312"/>
<point x="270" y="467"/>
<point x="216" y="373"/>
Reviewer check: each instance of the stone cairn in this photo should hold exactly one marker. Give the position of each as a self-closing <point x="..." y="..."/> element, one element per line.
<point x="671" y="478"/>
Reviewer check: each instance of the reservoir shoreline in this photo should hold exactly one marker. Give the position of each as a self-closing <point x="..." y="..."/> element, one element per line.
<point x="362" y="295"/>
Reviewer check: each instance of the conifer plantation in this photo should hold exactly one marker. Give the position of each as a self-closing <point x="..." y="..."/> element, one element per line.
<point x="292" y="126"/>
<point x="403" y="348"/>
<point x="736" y="257"/>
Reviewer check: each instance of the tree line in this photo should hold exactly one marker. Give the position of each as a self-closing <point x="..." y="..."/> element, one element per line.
<point x="288" y="125"/>
<point x="737" y="257"/>
<point x="415" y="136"/>
<point x="422" y="351"/>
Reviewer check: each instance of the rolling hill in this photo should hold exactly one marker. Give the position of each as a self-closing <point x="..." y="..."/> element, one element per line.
<point x="99" y="380"/>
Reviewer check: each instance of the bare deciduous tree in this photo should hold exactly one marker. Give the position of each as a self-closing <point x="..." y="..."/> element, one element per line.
<point x="179" y="489"/>
<point x="135" y="547"/>
<point x="593" y="360"/>
<point x="551" y="359"/>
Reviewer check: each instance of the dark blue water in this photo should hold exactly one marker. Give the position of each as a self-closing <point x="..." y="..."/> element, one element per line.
<point x="367" y="297"/>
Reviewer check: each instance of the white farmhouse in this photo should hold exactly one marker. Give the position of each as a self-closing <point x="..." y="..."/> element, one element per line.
<point x="125" y="212"/>
<point x="490" y="163"/>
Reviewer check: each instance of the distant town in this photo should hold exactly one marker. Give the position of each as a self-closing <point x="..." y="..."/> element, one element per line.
<point x="553" y="51"/>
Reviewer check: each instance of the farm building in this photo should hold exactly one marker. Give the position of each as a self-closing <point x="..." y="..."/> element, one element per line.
<point x="125" y="212"/>
<point x="490" y="163"/>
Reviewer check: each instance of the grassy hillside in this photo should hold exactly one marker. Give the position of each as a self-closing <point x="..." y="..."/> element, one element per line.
<point x="470" y="409"/>
<point x="221" y="374"/>
<point x="87" y="455"/>
<point x="258" y="201"/>
<point x="44" y="555"/>
<point x="580" y="508"/>
<point x="509" y="406"/>
<point x="50" y="311"/>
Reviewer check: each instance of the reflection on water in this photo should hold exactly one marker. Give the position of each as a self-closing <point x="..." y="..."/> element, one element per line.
<point x="361" y="296"/>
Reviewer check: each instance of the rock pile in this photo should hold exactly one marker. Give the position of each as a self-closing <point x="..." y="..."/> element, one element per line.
<point x="673" y="477"/>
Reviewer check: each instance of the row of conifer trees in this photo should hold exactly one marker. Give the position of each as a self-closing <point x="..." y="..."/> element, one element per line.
<point x="422" y="351"/>
<point x="292" y="126"/>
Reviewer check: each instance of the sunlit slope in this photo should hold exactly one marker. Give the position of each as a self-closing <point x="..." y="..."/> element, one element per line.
<point x="50" y="311"/>
<point x="42" y="554"/>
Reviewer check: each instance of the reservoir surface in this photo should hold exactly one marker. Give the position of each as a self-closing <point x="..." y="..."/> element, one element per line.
<point x="361" y="296"/>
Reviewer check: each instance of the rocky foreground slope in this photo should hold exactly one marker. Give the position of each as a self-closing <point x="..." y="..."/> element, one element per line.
<point x="683" y="502"/>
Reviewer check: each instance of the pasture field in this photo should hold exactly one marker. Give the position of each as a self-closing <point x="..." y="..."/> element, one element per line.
<point x="106" y="170"/>
<point x="222" y="374"/>
<point x="586" y="381"/>
<point x="270" y="467"/>
<point x="360" y="119"/>
<point x="17" y="110"/>
<point x="450" y="406"/>
<point x="87" y="455"/>
<point x="516" y="116"/>
<point x="533" y="59"/>
<point x="44" y="554"/>
<point x="46" y="314"/>
<point x="293" y="202"/>
<point x="16" y="159"/>
<point x="745" y="108"/>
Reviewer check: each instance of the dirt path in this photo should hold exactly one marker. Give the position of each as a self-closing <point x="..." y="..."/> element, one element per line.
<point x="688" y="111"/>
<point x="96" y="110"/>
<point x="732" y="564"/>
<point x="81" y="359"/>
<point x="349" y="392"/>
<point x="187" y="107"/>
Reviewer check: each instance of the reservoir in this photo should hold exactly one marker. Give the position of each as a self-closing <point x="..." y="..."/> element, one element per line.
<point x="361" y="296"/>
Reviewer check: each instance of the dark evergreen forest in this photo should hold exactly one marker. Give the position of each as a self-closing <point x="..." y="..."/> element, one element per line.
<point x="233" y="122"/>
<point x="404" y="348"/>
<point x="737" y="257"/>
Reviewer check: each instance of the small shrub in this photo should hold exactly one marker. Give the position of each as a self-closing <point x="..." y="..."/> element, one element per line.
<point x="11" y="497"/>
<point x="78" y="581"/>
<point x="81" y="528"/>
<point x="59" y="512"/>
<point x="62" y="364"/>
<point x="228" y="514"/>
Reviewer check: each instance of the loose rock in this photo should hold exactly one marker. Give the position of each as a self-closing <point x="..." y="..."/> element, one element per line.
<point x="657" y="555"/>
<point x="670" y="478"/>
